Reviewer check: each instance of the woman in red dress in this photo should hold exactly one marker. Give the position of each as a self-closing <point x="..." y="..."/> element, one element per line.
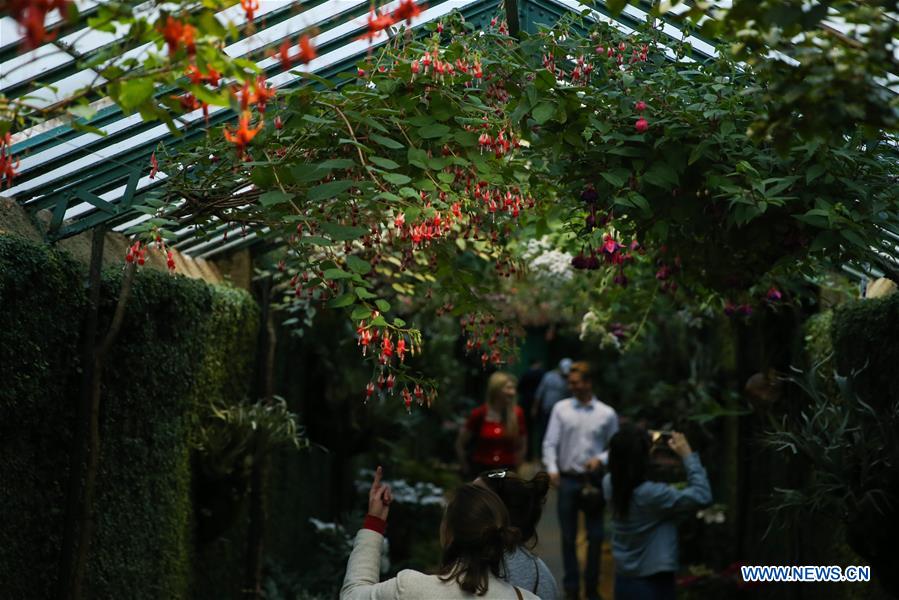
<point x="494" y="434"/>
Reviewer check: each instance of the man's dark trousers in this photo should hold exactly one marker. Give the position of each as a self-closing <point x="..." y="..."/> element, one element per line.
<point x="569" y="493"/>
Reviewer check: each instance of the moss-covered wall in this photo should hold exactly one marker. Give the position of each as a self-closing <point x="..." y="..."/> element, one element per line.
<point x="866" y="343"/>
<point x="183" y="344"/>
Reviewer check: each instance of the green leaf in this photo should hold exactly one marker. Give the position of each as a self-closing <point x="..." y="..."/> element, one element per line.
<point x="429" y="132"/>
<point x="384" y="163"/>
<point x="135" y="92"/>
<point x="342" y="301"/>
<point x="360" y="312"/>
<point x="382" y="305"/>
<point x="342" y="233"/>
<point x="358" y="265"/>
<point x="364" y="294"/>
<point x="614" y="179"/>
<point x="814" y="172"/>
<point x="398" y="322"/>
<point x="465" y="138"/>
<point x="543" y="112"/>
<point x="661" y="175"/>
<point x="418" y="157"/>
<point x="386" y="142"/>
<point x="329" y="190"/>
<point x="337" y="274"/>
<point x="273" y="198"/>
<point x="853" y="237"/>
<point x="397" y="178"/>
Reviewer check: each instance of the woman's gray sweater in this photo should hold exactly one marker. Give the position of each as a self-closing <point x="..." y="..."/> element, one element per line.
<point x="529" y="572"/>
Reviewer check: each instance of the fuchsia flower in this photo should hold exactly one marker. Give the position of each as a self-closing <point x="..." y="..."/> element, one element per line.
<point x="774" y="294"/>
<point x="641" y="125"/>
<point x="640" y="106"/>
<point x="610" y="245"/>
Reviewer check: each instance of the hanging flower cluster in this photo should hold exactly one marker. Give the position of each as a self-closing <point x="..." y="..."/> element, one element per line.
<point x="177" y="33"/>
<point x="406" y="11"/>
<point x="488" y="340"/>
<point x="137" y="252"/>
<point x="31" y="14"/>
<point x="8" y="163"/>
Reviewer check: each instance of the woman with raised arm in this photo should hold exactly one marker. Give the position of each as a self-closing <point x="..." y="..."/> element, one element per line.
<point x="475" y="534"/>
<point x="644" y="513"/>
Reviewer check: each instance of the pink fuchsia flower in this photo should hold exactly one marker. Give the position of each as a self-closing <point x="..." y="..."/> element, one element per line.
<point x="610" y="245"/>
<point x="774" y="294"/>
<point x="640" y="106"/>
<point x="641" y="125"/>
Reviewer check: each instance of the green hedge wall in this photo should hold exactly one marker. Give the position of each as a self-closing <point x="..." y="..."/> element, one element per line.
<point x="866" y="340"/>
<point x="41" y="303"/>
<point x="183" y="343"/>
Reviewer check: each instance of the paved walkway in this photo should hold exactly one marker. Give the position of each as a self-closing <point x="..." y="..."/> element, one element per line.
<point x="549" y="546"/>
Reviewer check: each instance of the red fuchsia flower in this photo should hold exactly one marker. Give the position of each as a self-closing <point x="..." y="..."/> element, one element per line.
<point x="440" y="27"/>
<point x="401" y="349"/>
<point x="244" y="134"/>
<point x="369" y="390"/>
<point x="175" y="33"/>
<point x="170" y="260"/>
<point x="407" y="399"/>
<point x="279" y="124"/>
<point x="31" y="14"/>
<point x="610" y="245"/>
<point x="419" y="393"/>
<point x="360" y="73"/>
<point x="365" y="340"/>
<point x="386" y="349"/>
<point x="640" y="106"/>
<point x="284" y="55"/>
<point x="774" y="294"/>
<point x="415" y="67"/>
<point x="250" y="7"/>
<point x="406" y="11"/>
<point x="308" y="52"/>
<point x="641" y="125"/>
<point x="391" y="381"/>
<point x="399" y="220"/>
<point x="262" y="93"/>
<point x="154" y="166"/>
<point x="8" y="163"/>
<point x="376" y="24"/>
<point x="197" y="77"/>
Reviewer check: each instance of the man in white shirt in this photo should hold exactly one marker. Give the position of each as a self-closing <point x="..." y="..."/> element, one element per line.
<point x="576" y="448"/>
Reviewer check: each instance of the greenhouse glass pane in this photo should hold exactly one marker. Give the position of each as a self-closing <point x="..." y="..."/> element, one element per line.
<point x="64" y="88"/>
<point x="31" y="65"/>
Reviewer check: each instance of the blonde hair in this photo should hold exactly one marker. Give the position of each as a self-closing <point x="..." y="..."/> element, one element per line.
<point x="495" y="385"/>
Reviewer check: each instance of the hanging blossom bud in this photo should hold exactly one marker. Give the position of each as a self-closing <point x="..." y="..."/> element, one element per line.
<point x="407" y="399"/>
<point x="641" y="125"/>
<point x="369" y="390"/>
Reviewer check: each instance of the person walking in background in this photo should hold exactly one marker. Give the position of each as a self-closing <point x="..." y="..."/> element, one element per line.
<point x="575" y="450"/>
<point x="495" y="434"/>
<point x="524" y="499"/>
<point x="475" y="535"/>
<point x="553" y="387"/>
<point x="644" y="530"/>
<point x="527" y="392"/>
